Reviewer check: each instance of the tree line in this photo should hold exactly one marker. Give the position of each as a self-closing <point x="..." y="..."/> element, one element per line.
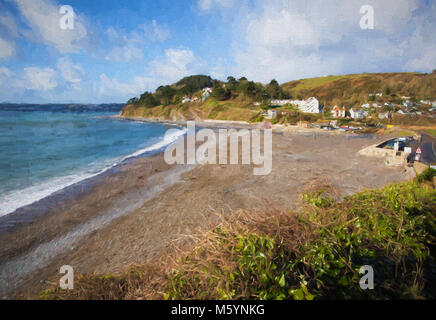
<point x="173" y="94"/>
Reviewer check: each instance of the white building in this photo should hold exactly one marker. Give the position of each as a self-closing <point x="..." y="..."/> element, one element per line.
<point x="206" y="93"/>
<point x="186" y="100"/>
<point x="310" y="105"/>
<point x="357" y="114"/>
<point x="338" y="112"/>
<point x="277" y="102"/>
<point x="271" y="114"/>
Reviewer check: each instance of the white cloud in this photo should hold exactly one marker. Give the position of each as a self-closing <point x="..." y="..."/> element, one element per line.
<point x="156" y="32"/>
<point x="114" y="89"/>
<point x="40" y="79"/>
<point x="43" y="18"/>
<point x="127" y="46"/>
<point x="290" y="40"/>
<point x="7" y="48"/>
<point x="5" y="73"/>
<point x="205" y="5"/>
<point x="71" y="73"/>
<point x="282" y="28"/>
<point x="8" y="22"/>
<point x="176" y="64"/>
<point x="125" y="54"/>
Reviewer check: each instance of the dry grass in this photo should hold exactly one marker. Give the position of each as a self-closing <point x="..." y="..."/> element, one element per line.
<point x="315" y="252"/>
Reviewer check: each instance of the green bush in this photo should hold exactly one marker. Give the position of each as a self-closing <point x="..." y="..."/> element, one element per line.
<point x="389" y="229"/>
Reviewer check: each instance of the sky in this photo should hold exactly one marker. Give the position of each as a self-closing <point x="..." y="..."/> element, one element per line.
<point x="104" y="51"/>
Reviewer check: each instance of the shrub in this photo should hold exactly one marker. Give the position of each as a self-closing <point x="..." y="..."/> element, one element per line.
<point x="315" y="253"/>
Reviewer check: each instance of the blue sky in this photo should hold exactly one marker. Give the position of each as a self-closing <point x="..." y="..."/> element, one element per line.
<point x="118" y="49"/>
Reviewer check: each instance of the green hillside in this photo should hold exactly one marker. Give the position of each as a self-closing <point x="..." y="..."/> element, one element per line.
<point x="355" y="89"/>
<point x="246" y="100"/>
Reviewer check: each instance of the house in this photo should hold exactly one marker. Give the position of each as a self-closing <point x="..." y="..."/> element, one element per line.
<point x="408" y="104"/>
<point x="334" y="124"/>
<point x="338" y="112"/>
<point x="385" y="115"/>
<point x="206" y="93"/>
<point x="279" y="103"/>
<point x="357" y="114"/>
<point x="186" y="100"/>
<point x="270" y="114"/>
<point x="310" y="105"/>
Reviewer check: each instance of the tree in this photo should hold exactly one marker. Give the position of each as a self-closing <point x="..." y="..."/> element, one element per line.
<point x="148" y="100"/>
<point x="273" y="90"/>
<point x="133" y="100"/>
<point x="387" y="91"/>
<point x="220" y="93"/>
<point x="165" y="94"/>
<point x="195" y="83"/>
<point x="232" y="83"/>
<point x="247" y="88"/>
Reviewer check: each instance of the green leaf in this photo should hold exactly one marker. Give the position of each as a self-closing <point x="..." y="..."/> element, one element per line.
<point x="282" y="281"/>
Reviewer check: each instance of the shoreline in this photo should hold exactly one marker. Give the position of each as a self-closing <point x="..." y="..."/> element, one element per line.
<point x="121" y="221"/>
<point x="59" y="227"/>
<point x="27" y="213"/>
<point x="230" y="124"/>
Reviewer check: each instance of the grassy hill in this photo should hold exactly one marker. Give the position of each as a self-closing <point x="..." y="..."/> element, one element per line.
<point x="235" y="109"/>
<point x="355" y="89"/>
<point x="234" y="99"/>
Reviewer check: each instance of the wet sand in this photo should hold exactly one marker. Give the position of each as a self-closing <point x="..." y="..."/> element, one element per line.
<point x="131" y="216"/>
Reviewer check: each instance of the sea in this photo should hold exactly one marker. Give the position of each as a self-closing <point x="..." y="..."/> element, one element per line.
<point x="46" y="148"/>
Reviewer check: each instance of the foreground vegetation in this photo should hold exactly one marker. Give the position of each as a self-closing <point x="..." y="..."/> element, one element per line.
<point x="315" y="253"/>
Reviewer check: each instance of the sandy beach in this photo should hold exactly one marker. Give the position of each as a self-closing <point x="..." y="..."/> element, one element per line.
<point x="132" y="214"/>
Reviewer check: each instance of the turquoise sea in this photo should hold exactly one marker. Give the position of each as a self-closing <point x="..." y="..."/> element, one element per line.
<point x="44" y="149"/>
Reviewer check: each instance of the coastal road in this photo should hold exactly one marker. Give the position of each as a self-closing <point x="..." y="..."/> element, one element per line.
<point x="428" y="149"/>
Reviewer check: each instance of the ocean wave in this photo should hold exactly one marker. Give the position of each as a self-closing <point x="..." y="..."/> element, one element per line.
<point x="13" y="200"/>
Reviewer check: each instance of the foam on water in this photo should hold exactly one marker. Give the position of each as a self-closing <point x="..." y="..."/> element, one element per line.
<point x="13" y="200"/>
